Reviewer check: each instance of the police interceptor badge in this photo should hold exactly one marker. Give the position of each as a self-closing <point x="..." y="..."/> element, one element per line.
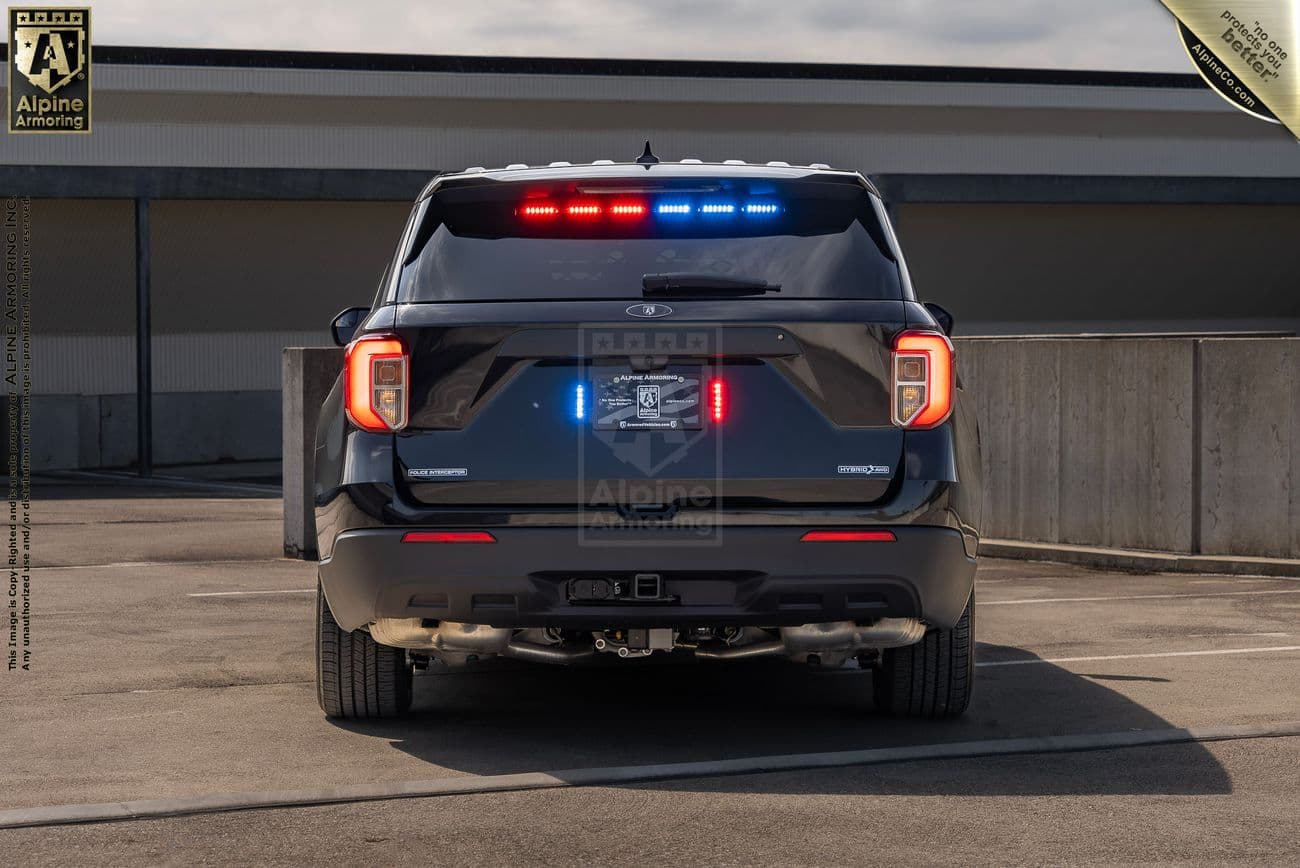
<point x="437" y="474"/>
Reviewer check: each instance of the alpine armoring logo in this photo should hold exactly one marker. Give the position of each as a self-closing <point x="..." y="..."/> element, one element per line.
<point x="648" y="412"/>
<point x="49" y="72"/>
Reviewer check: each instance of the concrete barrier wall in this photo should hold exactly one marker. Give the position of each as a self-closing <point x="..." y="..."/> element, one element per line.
<point x="1250" y="447"/>
<point x="96" y="431"/>
<point x="308" y="376"/>
<point x="1167" y="444"/>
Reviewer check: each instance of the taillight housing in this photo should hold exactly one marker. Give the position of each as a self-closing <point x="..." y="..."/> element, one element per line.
<point x="376" y="383"/>
<point x="922" y="379"/>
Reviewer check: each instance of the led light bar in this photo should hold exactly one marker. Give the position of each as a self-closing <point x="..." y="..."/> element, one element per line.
<point x="631" y="209"/>
<point x="539" y="211"/>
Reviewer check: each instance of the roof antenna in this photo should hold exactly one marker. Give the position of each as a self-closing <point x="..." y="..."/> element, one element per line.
<point x="647" y="157"/>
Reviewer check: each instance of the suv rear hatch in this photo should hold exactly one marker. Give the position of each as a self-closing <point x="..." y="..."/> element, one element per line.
<point x="650" y="345"/>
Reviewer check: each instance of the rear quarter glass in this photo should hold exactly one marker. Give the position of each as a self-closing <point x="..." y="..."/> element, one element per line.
<point x="587" y="240"/>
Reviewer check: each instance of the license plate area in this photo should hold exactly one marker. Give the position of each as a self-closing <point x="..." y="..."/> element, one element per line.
<point x="663" y="400"/>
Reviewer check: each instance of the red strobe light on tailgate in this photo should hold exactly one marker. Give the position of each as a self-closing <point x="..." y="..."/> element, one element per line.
<point x="922" y="379"/>
<point x="448" y="536"/>
<point x="584" y="208"/>
<point x="848" y="536"/>
<point x="539" y="211"/>
<point x="628" y="210"/>
<point x="375" y="380"/>
<point x="717" y="400"/>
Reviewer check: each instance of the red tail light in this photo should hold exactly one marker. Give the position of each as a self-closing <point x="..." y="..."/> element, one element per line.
<point x="375" y="383"/>
<point x="922" y="379"/>
<point x="848" y="536"/>
<point x="717" y="400"/>
<point x="448" y="536"/>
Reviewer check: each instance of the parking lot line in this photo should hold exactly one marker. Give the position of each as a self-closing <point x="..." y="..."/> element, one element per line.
<point x="58" y="815"/>
<point x="1232" y="580"/>
<point x="138" y="564"/>
<point x="1153" y="654"/>
<point x="1134" y="597"/>
<point x="252" y="593"/>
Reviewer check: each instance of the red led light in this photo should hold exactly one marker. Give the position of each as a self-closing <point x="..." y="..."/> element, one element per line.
<point x="848" y="536"/>
<point x="448" y="536"/>
<point x="583" y="209"/>
<point x="539" y="211"/>
<point x="628" y="209"/>
<point x="717" y="400"/>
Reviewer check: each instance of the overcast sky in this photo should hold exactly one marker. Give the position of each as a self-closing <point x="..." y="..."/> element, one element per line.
<point x="1100" y="34"/>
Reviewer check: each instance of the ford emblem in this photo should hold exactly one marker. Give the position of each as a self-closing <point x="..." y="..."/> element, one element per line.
<point x="649" y="311"/>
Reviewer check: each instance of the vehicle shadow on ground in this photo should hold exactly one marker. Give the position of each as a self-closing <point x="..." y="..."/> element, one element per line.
<point x="510" y="717"/>
<point x="58" y="488"/>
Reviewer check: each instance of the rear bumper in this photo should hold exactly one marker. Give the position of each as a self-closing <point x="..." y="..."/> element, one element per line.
<point x="749" y="576"/>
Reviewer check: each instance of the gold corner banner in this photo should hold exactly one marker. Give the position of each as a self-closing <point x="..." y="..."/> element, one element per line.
<point x="1246" y="50"/>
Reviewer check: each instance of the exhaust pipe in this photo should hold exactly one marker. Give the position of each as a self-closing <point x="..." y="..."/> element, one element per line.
<point x="547" y="653"/>
<point x="847" y="636"/>
<point x="449" y="636"/>
<point x="829" y="644"/>
<point x="742" y="652"/>
<point x="456" y="643"/>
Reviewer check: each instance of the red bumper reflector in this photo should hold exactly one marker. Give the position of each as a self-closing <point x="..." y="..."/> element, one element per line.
<point x="848" y="536"/>
<point x="448" y="536"/>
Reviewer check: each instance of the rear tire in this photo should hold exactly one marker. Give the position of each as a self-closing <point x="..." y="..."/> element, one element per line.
<point x="931" y="679"/>
<point x="356" y="677"/>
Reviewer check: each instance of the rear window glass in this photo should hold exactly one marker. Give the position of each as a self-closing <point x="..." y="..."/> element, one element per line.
<point x="600" y="240"/>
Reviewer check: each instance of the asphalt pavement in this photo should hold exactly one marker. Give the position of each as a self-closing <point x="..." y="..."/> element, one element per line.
<point x="173" y="660"/>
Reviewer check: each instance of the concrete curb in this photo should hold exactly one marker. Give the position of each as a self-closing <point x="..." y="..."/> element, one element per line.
<point x="60" y="815"/>
<point x="1140" y="561"/>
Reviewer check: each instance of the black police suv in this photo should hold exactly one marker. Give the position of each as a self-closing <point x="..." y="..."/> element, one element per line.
<point x="639" y="408"/>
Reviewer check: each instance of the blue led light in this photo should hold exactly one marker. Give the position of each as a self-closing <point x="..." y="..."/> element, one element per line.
<point x="580" y="401"/>
<point x="716" y="208"/>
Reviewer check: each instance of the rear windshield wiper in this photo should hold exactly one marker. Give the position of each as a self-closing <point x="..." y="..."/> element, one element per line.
<point x="703" y="284"/>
